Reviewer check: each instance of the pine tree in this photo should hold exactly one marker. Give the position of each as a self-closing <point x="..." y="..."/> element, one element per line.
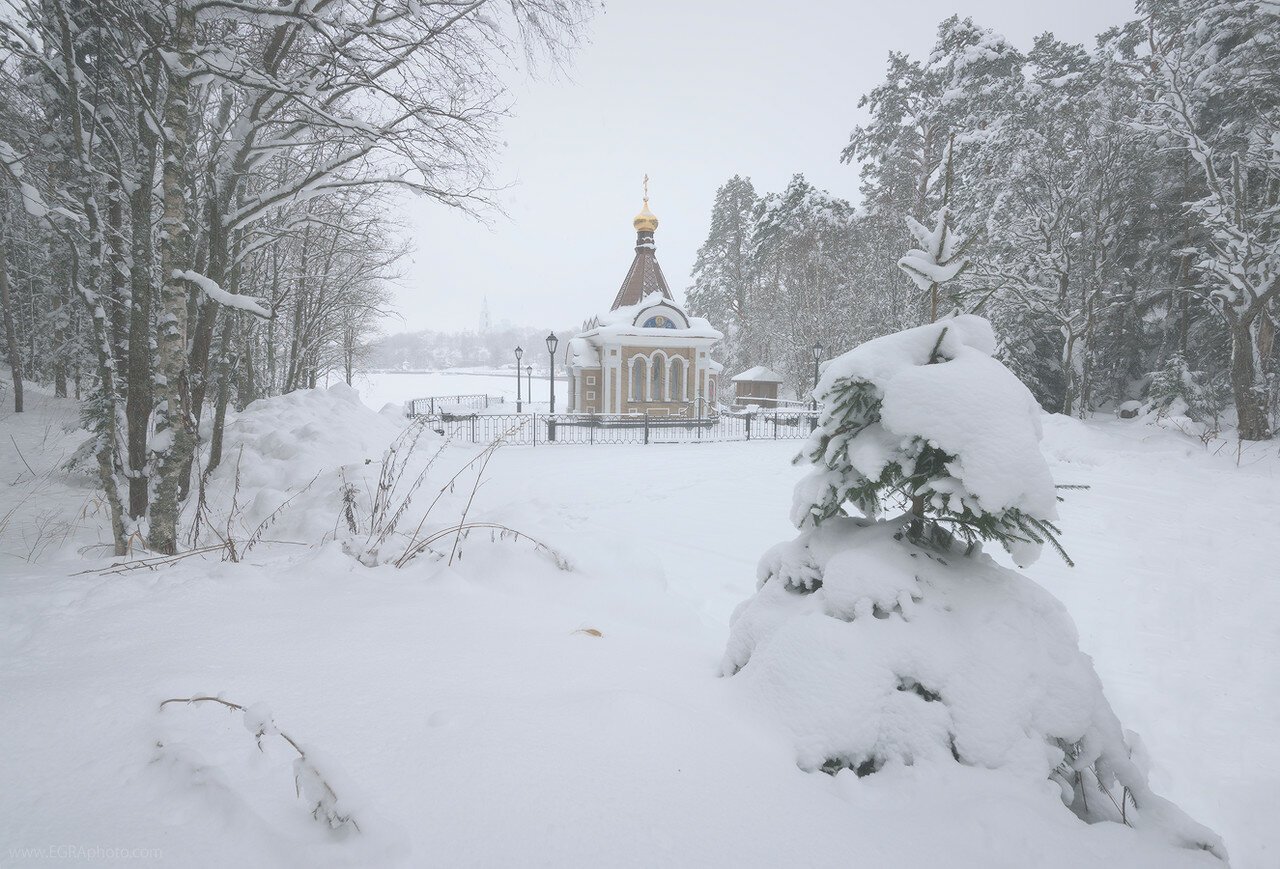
<point x="940" y="257"/>
<point x="724" y="287"/>
<point x="867" y="454"/>
<point x="803" y="255"/>
<point x="897" y="655"/>
<point x="1217" y="85"/>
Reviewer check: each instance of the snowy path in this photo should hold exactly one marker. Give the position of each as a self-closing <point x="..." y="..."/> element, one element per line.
<point x="469" y="724"/>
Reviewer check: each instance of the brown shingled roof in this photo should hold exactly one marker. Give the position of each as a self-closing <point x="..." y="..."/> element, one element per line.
<point x="644" y="277"/>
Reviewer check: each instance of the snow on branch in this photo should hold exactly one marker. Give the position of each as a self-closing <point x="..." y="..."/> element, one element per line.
<point x="222" y="297"/>
<point x="940" y="256"/>
<point x="32" y="201"/>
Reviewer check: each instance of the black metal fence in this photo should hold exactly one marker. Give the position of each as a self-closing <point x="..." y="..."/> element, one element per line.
<point x="434" y="404"/>
<point x="537" y="429"/>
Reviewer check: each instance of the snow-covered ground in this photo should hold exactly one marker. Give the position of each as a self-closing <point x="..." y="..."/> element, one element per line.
<point x="506" y="711"/>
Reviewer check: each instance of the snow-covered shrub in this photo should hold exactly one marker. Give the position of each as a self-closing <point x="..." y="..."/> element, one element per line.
<point x="392" y="530"/>
<point x="1178" y="391"/>
<point x="927" y="415"/>
<point x="879" y="650"/>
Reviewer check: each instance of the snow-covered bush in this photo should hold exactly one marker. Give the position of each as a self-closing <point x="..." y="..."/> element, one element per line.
<point x="877" y="650"/>
<point x="1178" y="391"/>
<point x="927" y="416"/>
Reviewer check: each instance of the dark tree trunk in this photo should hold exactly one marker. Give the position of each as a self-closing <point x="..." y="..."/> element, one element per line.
<point x="10" y="334"/>
<point x="57" y="290"/>
<point x="226" y="369"/>
<point x="1249" y="393"/>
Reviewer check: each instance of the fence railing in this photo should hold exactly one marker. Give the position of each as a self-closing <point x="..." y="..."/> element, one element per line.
<point x="434" y="404"/>
<point x="745" y="401"/>
<point x="537" y="429"/>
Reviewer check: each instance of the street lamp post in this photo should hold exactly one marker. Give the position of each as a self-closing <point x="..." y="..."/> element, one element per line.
<point x="817" y="356"/>
<point x="552" y="343"/>
<point x="519" y="353"/>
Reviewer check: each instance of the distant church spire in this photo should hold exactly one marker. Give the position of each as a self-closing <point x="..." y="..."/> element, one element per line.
<point x="645" y="275"/>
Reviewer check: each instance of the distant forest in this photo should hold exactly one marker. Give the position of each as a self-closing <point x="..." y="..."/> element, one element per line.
<point x="1114" y="210"/>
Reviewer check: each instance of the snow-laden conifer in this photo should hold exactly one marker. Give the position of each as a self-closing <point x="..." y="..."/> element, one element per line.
<point x="928" y="415"/>
<point x="887" y="651"/>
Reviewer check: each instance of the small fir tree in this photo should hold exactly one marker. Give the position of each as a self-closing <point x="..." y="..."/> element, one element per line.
<point x="949" y="475"/>
<point x="884" y="654"/>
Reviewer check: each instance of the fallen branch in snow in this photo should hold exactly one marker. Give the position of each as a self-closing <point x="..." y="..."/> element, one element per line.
<point x="149" y="563"/>
<point x="306" y="778"/>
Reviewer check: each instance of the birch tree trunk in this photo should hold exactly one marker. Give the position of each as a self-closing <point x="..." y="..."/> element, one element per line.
<point x="175" y="430"/>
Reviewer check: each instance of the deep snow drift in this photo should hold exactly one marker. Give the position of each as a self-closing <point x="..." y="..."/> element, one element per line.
<point x="471" y="715"/>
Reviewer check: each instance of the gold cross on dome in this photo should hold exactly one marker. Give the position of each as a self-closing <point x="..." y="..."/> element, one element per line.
<point x="646" y="187"/>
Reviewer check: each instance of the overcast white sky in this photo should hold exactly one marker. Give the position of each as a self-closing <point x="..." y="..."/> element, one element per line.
<point x="691" y="92"/>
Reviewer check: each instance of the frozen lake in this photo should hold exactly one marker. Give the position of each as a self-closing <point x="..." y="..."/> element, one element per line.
<point x="378" y="388"/>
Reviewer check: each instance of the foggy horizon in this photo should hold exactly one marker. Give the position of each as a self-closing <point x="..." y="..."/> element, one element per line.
<point x="675" y="91"/>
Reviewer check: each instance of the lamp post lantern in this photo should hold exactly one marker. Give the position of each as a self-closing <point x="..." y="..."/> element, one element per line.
<point x="519" y="353"/>
<point x="817" y="356"/>
<point x="552" y="343"/>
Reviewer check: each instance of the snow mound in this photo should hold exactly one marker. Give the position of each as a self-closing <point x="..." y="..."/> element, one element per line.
<point x="278" y="446"/>
<point x="310" y="429"/>
<point x="875" y="655"/>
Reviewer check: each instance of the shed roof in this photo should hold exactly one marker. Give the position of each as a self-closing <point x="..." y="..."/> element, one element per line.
<point x="759" y="374"/>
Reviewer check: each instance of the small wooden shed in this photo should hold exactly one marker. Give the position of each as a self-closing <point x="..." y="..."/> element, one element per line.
<point x="758" y="385"/>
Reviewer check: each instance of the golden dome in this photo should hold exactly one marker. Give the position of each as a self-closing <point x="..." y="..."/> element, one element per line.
<point x="646" y="220"/>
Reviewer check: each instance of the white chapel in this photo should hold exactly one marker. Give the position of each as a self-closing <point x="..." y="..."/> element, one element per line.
<point x="645" y="355"/>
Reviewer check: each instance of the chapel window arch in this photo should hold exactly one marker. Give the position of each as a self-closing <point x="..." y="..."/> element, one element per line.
<point x="657" y="377"/>
<point x="639" y="371"/>
<point x="675" y="388"/>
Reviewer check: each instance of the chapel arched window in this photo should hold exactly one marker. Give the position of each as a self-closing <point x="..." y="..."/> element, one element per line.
<point x="657" y="376"/>
<point x="676" y="388"/>
<point x="638" y="370"/>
